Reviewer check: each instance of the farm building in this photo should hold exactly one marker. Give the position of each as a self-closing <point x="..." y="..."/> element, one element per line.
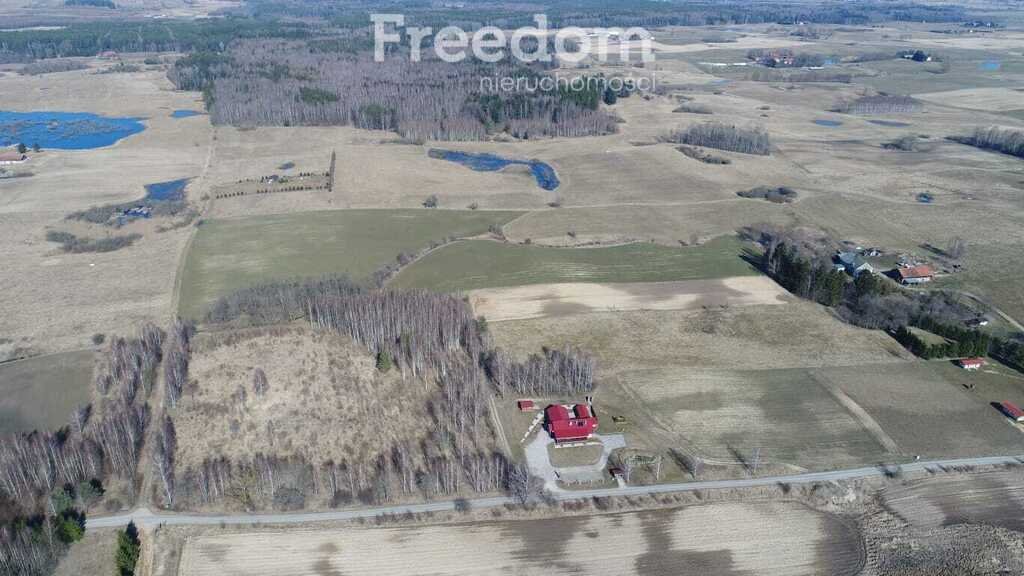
<point x="853" y="263"/>
<point x="915" y="274"/>
<point x="570" y="423"/>
<point x="526" y="405"/>
<point x="12" y="157"/>
<point x="970" y="363"/>
<point x="1012" y="411"/>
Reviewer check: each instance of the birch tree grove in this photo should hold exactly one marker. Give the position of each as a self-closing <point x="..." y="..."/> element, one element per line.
<point x="164" y="445"/>
<point x="296" y="83"/>
<point x="176" y="362"/>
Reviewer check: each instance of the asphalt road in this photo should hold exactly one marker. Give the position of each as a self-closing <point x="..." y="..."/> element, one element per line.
<point x="144" y="517"/>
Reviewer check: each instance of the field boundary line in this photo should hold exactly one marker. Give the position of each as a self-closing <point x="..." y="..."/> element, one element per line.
<point x="146" y="518"/>
<point x="860" y="414"/>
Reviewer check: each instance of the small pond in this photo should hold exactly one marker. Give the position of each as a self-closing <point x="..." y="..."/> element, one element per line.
<point x="829" y="123"/>
<point x="170" y="191"/>
<point x="65" y="130"/>
<point x="890" y="123"/>
<point x="543" y="173"/>
<point x="185" y="113"/>
<point x="990" y="65"/>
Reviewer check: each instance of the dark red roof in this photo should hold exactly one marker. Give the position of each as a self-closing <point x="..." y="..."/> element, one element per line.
<point x="526" y="404"/>
<point x="1012" y="410"/>
<point x="916" y="272"/>
<point x="565" y="426"/>
<point x="972" y="361"/>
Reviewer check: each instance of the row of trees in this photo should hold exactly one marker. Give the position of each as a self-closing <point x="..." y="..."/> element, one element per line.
<point x="1005" y="140"/>
<point x="565" y="372"/>
<point x="753" y="140"/>
<point x="879" y="104"/>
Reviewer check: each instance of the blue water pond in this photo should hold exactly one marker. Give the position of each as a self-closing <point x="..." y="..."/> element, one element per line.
<point x="65" y="130"/>
<point x="830" y="123"/>
<point x="170" y="191"/>
<point x="543" y="173"/>
<point x="891" y="123"/>
<point x="185" y="113"/>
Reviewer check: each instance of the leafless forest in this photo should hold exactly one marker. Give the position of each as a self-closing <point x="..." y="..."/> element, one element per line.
<point x="880" y="104"/>
<point x="724" y="137"/>
<point x="432" y="340"/>
<point x="288" y="83"/>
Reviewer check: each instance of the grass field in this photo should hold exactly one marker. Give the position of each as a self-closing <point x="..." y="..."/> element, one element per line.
<point x="230" y="254"/>
<point x="484" y="264"/>
<point x="40" y="393"/>
<point x="776" y="539"/>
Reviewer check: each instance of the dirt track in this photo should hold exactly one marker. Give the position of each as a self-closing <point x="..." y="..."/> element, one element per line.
<point x="537" y="301"/>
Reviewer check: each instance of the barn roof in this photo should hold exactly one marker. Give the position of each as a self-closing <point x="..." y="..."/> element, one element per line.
<point x="922" y="271"/>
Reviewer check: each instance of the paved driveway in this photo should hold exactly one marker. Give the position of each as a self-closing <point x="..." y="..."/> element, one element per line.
<point x="538" y="460"/>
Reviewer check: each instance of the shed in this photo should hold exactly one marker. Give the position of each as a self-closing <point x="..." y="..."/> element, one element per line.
<point x="970" y="363"/>
<point x="1013" y="411"/>
<point x="526" y="405"/>
<point x="916" y="274"/>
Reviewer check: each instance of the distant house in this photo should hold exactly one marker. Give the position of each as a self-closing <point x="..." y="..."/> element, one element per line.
<point x="108" y="55"/>
<point x="915" y="274"/>
<point x="970" y="363"/>
<point x="12" y="157"/>
<point x="526" y="405"/>
<point x="977" y="322"/>
<point x="571" y="423"/>
<point x="1012" y="411"/>
<point x="853" y="263"/>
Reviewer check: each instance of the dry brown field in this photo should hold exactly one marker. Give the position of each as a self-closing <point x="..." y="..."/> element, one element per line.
<point x="543" y="300"/>
<point x="715" y="539"/>
<point x="56" y="301"/>
<point x="325" y="399"/>
<point x="993" y="498"/>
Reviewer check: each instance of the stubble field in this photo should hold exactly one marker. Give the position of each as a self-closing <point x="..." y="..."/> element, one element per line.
<point x="715" y="540"/>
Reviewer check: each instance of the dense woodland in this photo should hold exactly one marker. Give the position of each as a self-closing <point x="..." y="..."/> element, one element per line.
<point x="290" y="83"/>
<point x="753" y="140"/>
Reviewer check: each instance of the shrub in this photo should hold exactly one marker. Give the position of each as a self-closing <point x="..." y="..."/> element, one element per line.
<point x="698" y="154"/>
<point x="779" y="195"/>
<point x="51" y="66"/>
<point x="725" y="137"/>
<point x="906" y="143"/>
<point x="127" y="554"/>
<point x="431" y="201"/>
<point x="76" y="245"/>
<point x="694" y="109"/>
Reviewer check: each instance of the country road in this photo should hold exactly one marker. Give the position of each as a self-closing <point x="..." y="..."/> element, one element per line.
<point x="143" y="517"/>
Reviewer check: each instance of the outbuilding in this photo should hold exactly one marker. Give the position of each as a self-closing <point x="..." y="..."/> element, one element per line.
<point x="12" y="157"/>
<point x="970" y="363"/>
<point x="915" y="274"/>
<point x="526" y="405"/>
<point x="1012" y="411"/>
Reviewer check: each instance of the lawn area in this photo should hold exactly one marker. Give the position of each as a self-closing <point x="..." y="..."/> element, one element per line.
<point x="40" y="393"/>
<point x="485" y="264"/>
<point x="230" y="254"/>
<point x="568" y="456"/>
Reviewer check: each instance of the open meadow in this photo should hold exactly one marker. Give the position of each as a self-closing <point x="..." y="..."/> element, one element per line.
<point x="40" y="393"/>
<point x="227" y="255"/>
<point x="483" y="264"/>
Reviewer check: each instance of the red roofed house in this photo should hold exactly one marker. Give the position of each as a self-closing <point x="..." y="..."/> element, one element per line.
<point x="916" y="274"/>
<point x="970" y="363"/>
<point x="525" y="405"/>
<point x="570" y="426"/>
<point x="1011" y="410"/>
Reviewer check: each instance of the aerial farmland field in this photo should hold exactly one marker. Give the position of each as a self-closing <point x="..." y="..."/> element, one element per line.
<point x="40" y="393"/>
<point x="482" y="264"/>
<point x="784" y="539"/>
<point x="230" y="254"/>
